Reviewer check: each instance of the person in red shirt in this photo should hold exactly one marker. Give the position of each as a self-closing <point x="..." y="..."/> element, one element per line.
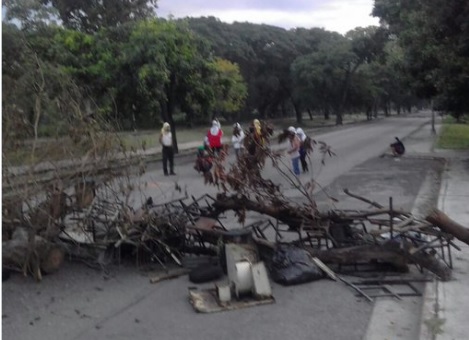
<point x="214" y="136"/>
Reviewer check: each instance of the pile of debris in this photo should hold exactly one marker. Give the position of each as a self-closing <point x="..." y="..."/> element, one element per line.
<point x="289" y="244"/>
<point x="294" y="243"/>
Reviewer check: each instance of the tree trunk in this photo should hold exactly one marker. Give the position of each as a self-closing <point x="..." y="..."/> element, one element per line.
<point x="392" y="253"/>
<point x="327" y="114"/>
<point x="299" y="116"/>
<point x="446" y="224"/>
<point x="386" y="109"/>
<point x="292" y="217"/>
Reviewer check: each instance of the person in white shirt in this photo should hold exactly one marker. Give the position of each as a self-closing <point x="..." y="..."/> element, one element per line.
<point x="166" y="141"/>
<point x="301" y="134"/>
<point x="237" y="139"/>
<point x="294" y="150"/>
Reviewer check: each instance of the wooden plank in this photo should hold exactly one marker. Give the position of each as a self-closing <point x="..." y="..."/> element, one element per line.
<point x="206" y="301"/>
<point x="171" y="274"/>
<point x="325" y="268"/>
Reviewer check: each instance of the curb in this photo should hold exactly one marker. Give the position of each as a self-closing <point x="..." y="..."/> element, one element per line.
<point x="430" y="318"/>
<point x="431" y="321"/>
<point x="443" y="310"/>
<point x="391" y="319"/>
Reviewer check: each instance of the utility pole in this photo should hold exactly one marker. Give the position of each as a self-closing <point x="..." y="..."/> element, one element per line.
<point x="433" y="118"/>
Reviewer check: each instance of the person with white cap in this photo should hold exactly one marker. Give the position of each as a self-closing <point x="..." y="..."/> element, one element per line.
<point x="237" y="139"/>
<point x="166" y="141"/>
<point x="301" y="134"/>
<point x="294" y="150"/>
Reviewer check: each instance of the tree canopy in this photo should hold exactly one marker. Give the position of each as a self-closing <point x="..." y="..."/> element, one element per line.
<point x="138" y="70"/>
<point x="434" y="36"/>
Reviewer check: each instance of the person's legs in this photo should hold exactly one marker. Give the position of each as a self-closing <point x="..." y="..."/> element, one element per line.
<point x="296" y="165"/>
<point x="171" y="161"/>
<point x="165" y="161"/>
<point x="304" y="163"/>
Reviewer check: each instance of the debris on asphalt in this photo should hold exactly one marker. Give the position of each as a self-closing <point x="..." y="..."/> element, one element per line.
<point x="92" y="221"/>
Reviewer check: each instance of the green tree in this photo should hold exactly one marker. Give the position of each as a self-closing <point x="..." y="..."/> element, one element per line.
<point x="230" y="90"/>
<point x="29" y="14"/>
<point x="171" y="68"/>
<point x="434" y="36"/>
<point x="90" y="16"/>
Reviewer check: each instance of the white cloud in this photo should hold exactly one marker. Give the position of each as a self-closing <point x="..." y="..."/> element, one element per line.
<point x="337" y="15"/>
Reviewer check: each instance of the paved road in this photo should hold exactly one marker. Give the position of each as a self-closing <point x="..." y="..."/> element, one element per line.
<point x="353" y="145"/>
<point x="78" y="303"/>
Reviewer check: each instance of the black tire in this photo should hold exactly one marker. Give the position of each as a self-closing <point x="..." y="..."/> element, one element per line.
<point x="205" y="273"/>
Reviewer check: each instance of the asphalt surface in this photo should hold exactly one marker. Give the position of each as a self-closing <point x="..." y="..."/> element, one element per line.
<point x="80" y="303"/>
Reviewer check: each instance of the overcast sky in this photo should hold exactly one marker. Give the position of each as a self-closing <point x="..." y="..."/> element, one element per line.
<point x="333" y="15"/>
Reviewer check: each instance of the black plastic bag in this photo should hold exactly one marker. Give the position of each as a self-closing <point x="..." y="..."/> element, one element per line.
<point x="292" y="265"/>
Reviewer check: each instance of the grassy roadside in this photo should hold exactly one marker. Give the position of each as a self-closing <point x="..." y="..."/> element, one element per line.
<point x="453" y="135"/>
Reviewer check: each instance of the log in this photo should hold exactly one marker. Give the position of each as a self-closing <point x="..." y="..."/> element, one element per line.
<point x="294" y="217"/>
<point x="360" y="254"/>
<point x="169" y="275"/>
<point x="423" y="259"/>
<point x="344" y="256"/>
<point x="396" y="254"/>
<point x="52" y="259"/>
<point x="31" y="256"/>
<point x="447" y="225"/>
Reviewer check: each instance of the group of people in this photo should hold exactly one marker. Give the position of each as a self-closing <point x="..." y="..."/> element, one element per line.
<point x="213" y="145"/>
<point x="297" y="151"/>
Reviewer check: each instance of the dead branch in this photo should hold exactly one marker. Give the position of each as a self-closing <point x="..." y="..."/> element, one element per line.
<point x="374" y="204"/>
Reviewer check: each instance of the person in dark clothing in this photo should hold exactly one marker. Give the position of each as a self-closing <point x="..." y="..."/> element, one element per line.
<point x="204" y="161"/>
<point x="303" y="153"/>
<point x="166" y="141"/>
<point x="397" y="148"/>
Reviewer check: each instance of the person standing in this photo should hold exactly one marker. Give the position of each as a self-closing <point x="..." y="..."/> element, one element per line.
<point x="301" y="134"/>
<point x="237" y="139"/>
<point x="258" y="132"/>
<point x="166" y="141"/>
<point x="214" y="136"/>
<point x="294" y="150"/>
